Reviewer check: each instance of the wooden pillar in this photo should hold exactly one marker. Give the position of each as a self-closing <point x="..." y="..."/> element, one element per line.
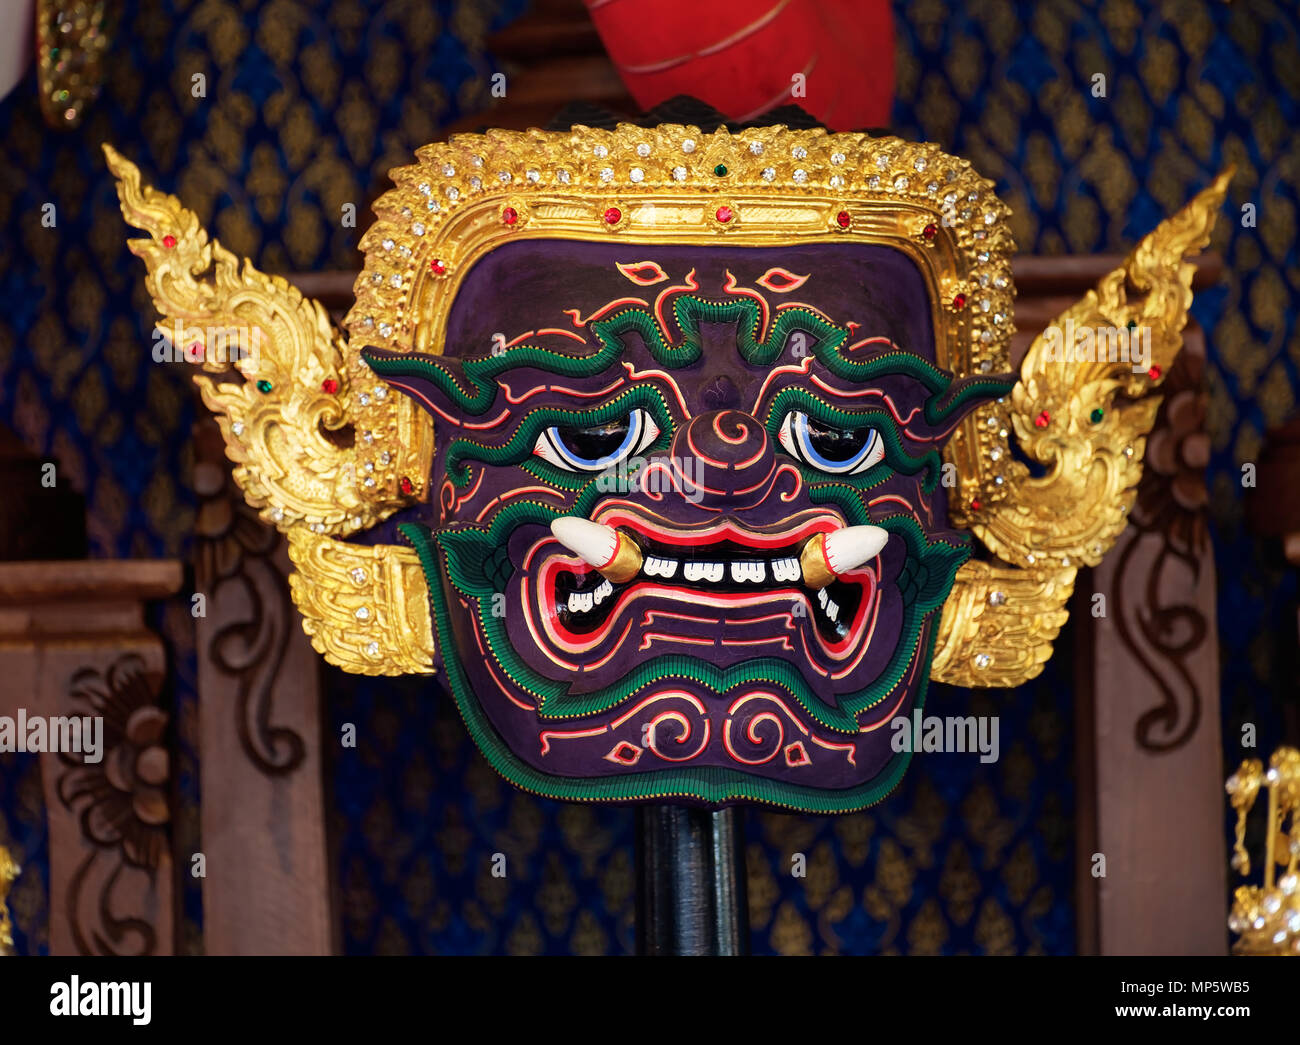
<point x="267" y="889"/>
<point x="73" y="643"/>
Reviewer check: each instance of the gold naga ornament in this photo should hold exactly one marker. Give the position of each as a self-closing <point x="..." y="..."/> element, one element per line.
<point x="328" y="454"/>
<point x="1266" y="917"/>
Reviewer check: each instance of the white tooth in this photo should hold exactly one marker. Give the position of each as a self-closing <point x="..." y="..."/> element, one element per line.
<point x="593" y="543"/>
<point x="668" y="566"/>
<point x="832" y="609"/>
<point x="693" y="570"/>
<point x="585" y="600"/>
<point x="822" y="597"/>
<point x="785" y="569"/>
<point x="603" y="592"/>
<point x="748" y="571"/>
<point x="656" y="567"/>
<point x="849" y="548"/>
<point x="714" y="571"/>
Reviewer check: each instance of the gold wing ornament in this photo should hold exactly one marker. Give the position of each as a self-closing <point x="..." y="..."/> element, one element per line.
<point x="323" y="451"/>
<point x="1080" y="408"/>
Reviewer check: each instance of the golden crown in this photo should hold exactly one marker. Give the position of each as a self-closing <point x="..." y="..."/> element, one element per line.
<point x="1267" y="917"/>
<point x="323" y="450"/>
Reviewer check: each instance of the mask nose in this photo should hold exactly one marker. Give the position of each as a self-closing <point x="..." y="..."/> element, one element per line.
<point x="727" y="459"/>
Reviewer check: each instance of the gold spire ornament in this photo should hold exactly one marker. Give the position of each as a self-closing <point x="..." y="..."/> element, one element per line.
<point x="9" y="870"/>
<point x="324" y="451"/>
<point x="1266" y="917"/>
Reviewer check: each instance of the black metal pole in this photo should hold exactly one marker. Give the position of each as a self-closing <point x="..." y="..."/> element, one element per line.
<point x="691" y="881"/>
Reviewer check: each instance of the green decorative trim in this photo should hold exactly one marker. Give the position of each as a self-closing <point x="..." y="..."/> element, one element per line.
<point x="712" y="785"/>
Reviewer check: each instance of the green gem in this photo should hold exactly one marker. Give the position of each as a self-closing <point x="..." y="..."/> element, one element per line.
<point x="720" y="170"/>
<point x="1097" y="415"/>
<point x="1132" y="324"/>
<point x="264" y="386"/>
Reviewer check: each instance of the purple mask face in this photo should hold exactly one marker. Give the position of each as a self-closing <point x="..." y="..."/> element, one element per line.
<point x="689" y="537"/>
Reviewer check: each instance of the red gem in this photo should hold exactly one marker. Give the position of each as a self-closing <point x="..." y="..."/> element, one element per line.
<point x="169" y="241"/>
<point x="959" y="302"/>
<point x="329" y="386"/>
<point x="1043" y="419"/>
<point x="975" y="505"/>
<point x="1154" y="373"/>
<point x="613" y="215"/>
<point x="724" y="214"/>
<point x="930" y="231"/>
<point x="406" y="485"/>
<point x="843" y="219"/>
<point x="509" y="216"/>
<point x="437" y="266"/>
<point x="195" y="350"/>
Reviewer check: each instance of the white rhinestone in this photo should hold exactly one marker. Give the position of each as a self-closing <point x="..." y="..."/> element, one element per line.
<point x="836" y="181"/>
<point x="372" y="649"/>
<point x="385" y="457"/>
<point x="800" y="176"/>
<point x="900" y="183"/>
<point x="985" y="366"/>
<point x="997" y="598"/>
<point x="920" y="163"/>
<point x="404" y="250"/>
<point x="688" y="145"/>
<point x="367" y="436"/>
<point x="378" y="277"/>
<point x="476" y="183"/>
<point x="448" y="171"/>
<point x="406" y="212"/>
<point x="950" y="175"/>
<point x="756" y="148"/>
<point x="381" y="392"/>
<point x="882" y="162"/>
<point x="277" y="514"/>
<point x="533" y="176"/>
<point x="950" y="199"/>
<point x="237" y="428"/>
<point x="563" y="177"/>
<point x="476" y="161"/>
<point x="363" y="613"/>
<point x="986" y="336"/>
<point x="769" y="173"/>
<point x="368" y="322"/>
<point x="418" y="228"/>
<point x="1128" y="451"/>
<point x="636" y="174"/>
<point x="358" y="575"/>
<point x="503" y="177"/>
<point x="453" y="193"/>
<point x="434" y="206"/>
<point x="983" y="660"/>
<point x="424" y="188"/>
<point x="395" y="281"/>
<point x="385" y="329"/>
<point x="985" y="304"/>
<point x="873" y="182"/>
<point x="369" y="484"/>
<point x="363" y="399"/>
<point x="837" y="158"/>
<point x="600" y="151"/>
<point x="386" y="244"/>
<point x="679" y="174"/>
<point x="995" y="454"/>
<point x="998" y="480"/>
<point x="607" y="174"/>
<point x="989" y="217"/>
<point x="972" y="197"/>
<point x="643" y="150"/>
<point x="982" y="256"/>
<point x="1065" y="560"/>
<point x="317" y="527"/>
<point x="980" y="234"/>
<point x="1030" y="559"/>
<point x="1000" y="282"/>
<point x="932" y="187"/>
<point x="799" y="152"/>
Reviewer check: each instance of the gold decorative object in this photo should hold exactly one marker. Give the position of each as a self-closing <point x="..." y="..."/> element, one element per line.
<point x="1267" y="917"/>
<point x="8" y="873"/>
<point x="323" y="451"/>
<point x="71" y="42"/>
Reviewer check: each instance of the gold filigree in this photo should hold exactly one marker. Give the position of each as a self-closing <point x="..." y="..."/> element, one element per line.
<point x="1267" y="917"/>
<point x="365" y="608"/>
<point x="289" y="425"/>
<point x="8" y="874"/>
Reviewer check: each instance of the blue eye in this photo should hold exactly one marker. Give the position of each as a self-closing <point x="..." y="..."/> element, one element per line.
<point x="839" y="451"/>
<point x="593" y="448"/>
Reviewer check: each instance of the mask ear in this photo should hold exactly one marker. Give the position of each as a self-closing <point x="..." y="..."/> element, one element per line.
<point x="443" y="385"/>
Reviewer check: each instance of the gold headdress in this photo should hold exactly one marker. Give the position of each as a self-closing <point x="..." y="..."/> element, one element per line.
<point x="323" y="451"/>
<point x="1267" y="916"/>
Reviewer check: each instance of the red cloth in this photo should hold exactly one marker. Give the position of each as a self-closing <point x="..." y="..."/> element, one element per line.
<point x="740" y="56"/>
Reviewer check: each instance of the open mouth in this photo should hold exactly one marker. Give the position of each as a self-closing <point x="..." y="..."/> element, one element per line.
<point x="584" y="600"/>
